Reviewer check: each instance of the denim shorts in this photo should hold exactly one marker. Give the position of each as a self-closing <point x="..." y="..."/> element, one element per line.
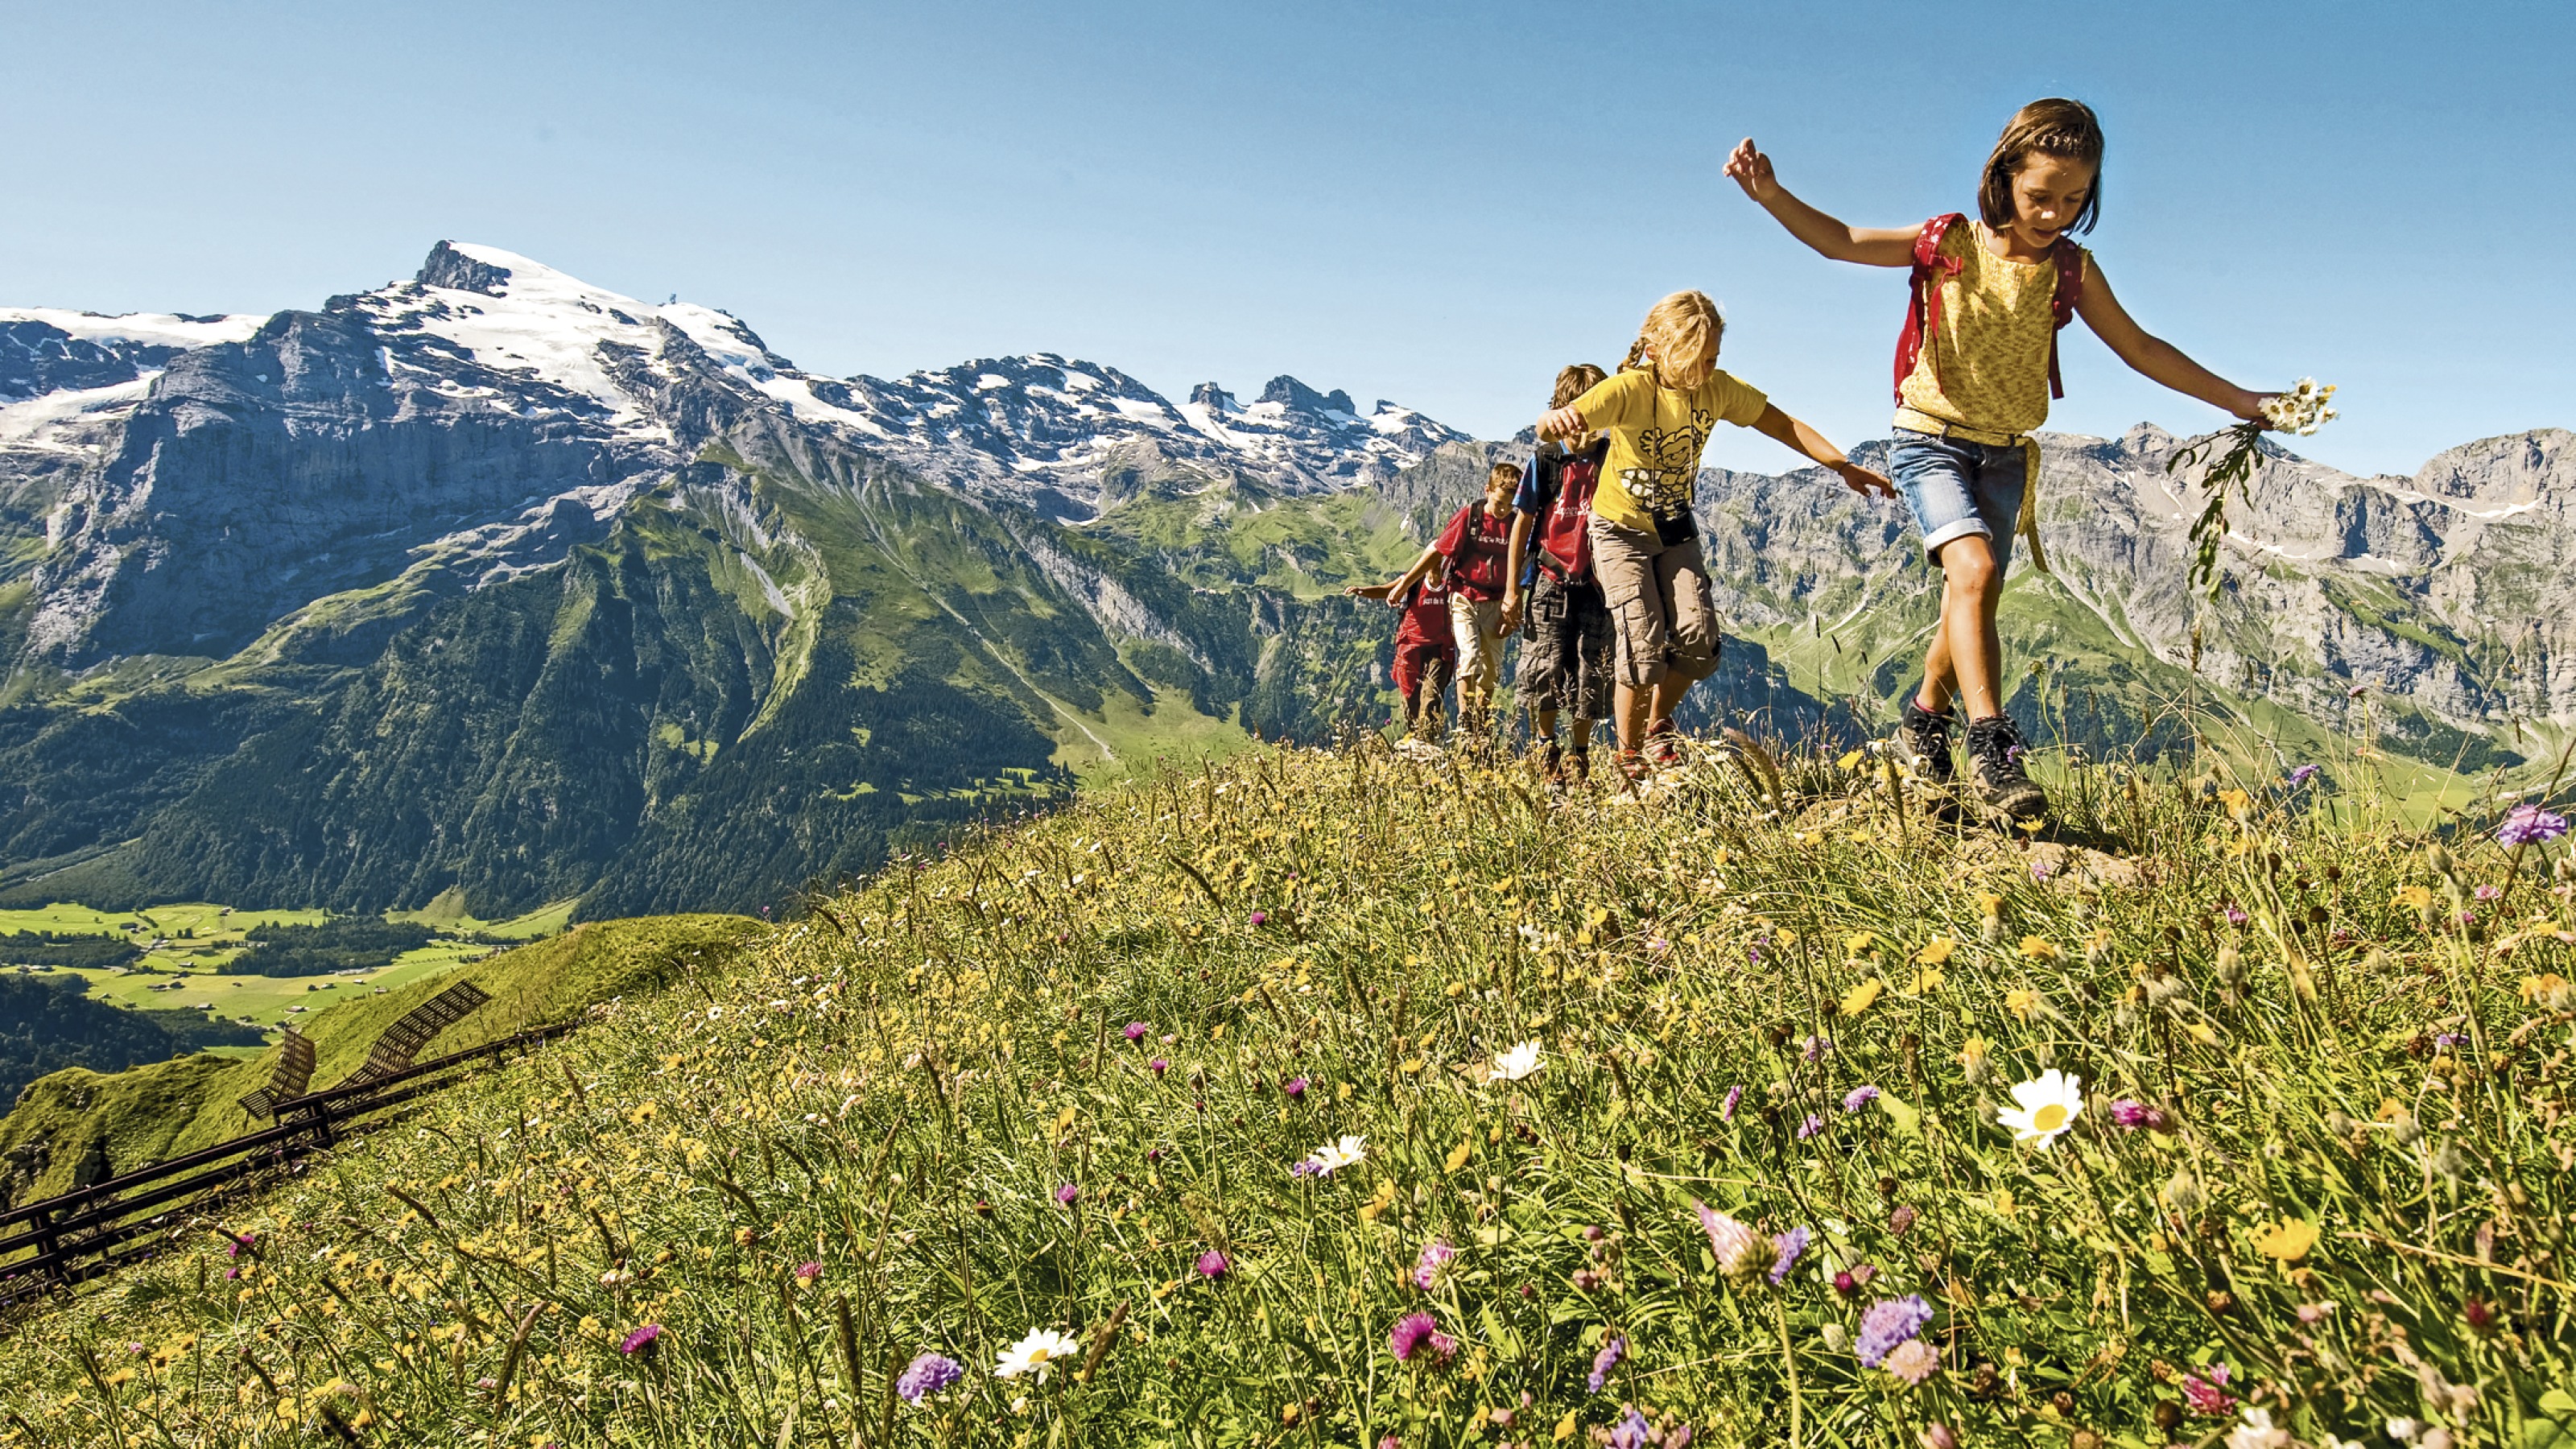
<point x="1959" y="488"/>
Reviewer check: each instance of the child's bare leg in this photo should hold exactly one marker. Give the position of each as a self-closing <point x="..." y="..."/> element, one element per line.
<point x="1966" y="658"/>
<point x="1630" y="704"/>
<point x="1668" y="697"/>
<point x="1543" y="723"/>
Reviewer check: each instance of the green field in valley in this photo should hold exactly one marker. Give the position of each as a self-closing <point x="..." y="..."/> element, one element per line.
<point x="186" y="949"/>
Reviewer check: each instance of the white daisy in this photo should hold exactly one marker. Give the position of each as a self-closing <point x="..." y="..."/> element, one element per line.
<point x="1517" y="1063"/>
<point x="1334" y="1156"/>
<point x="2047" y="1106"/>
<point x="1036" y="1354"/>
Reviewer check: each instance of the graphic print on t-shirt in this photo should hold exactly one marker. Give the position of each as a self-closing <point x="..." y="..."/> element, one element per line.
<point x="1663" y="486"/>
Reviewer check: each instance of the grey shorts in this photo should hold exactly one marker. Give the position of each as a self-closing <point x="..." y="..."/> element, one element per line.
<point x="1658" y="595"/>
<point x="1566" y="655"/>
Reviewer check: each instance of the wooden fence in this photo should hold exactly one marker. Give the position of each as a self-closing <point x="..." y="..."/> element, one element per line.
<point x="95" y="1229"/>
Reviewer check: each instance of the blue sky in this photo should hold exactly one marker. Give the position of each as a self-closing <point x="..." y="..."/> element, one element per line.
<point x="1434" y="204"/>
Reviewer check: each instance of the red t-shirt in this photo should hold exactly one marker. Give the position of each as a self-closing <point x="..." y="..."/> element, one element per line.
<point x="1478" y="546"/>
<point x="1426" y="618"/>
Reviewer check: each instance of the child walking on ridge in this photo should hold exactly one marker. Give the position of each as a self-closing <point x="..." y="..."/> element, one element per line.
<point x="1566" y="653"/>
<point x="1975" y="369"/>
<point x="1470" y="557"/>
<point x="1658" y="412"/>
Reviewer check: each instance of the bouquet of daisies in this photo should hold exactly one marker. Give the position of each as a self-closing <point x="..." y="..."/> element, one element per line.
<point x="2306" y="407"/>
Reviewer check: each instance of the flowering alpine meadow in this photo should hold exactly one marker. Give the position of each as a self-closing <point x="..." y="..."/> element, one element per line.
<point x="1763" y="1114"/>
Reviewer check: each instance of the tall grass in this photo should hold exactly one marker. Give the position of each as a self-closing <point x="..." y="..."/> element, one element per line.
<point x="916" y="1121"/>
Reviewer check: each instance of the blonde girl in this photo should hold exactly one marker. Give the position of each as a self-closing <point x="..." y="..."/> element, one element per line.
<point x="1976" y="367"/>
<point x="1658" y="412"/>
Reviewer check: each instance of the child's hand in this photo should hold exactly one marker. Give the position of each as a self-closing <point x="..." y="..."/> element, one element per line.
<point x="1862" y="481"/>
<point x="1752" y="171"/>
<point x="1510" y="618"/>
<point x="1384" y="592"/>
<point x="1562" y="423"/>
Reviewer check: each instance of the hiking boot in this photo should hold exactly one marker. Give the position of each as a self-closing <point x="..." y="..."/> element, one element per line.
<point x="1550" y="760"/>
<point x="1923" y="743"/>
<point x="1663" y="744"/>
<point x="1995" y="749"/>
<point x="1578" y="767"/>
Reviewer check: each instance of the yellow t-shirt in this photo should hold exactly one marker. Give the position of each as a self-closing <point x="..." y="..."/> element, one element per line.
<point x="1656" y="435"/>
<point x="1986" y="365"/>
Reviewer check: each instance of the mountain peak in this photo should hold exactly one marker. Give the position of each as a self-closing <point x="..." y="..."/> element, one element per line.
<point x="1297" y="396"/>
<point x="453" y="268"/>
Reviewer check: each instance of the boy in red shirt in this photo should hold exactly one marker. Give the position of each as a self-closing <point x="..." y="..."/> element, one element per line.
<point x="1426" y="655"/>
<point x="1473" y="555"/>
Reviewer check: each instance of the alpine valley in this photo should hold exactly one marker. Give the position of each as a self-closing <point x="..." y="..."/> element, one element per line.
<point x="493" y="589"/>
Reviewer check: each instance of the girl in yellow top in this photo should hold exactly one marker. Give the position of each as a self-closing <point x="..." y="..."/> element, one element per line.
<point x="1658" y="412"/>
<point x="1990" y="296"/>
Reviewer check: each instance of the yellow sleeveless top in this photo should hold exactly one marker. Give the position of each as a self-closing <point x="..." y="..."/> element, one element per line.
<point x="1986" y="366"/>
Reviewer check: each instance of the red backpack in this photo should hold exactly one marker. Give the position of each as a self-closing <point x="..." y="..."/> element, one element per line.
<point x="1565" y="529"/>
<point x="1924" y="314"/>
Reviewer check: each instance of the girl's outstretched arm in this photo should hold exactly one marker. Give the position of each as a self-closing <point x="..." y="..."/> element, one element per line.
<point x="1788" y="431"/>
<point x="2153" y="355"/>
<point x="1403" y="584"/>
<point x="1870" y="246"/>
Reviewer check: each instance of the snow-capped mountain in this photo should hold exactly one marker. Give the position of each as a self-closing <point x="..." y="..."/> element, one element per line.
<point x="492" y="411"/>
<point x="1066" y="435"/>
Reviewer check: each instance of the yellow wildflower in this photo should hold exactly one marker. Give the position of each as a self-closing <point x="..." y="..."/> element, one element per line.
<point x="1927" y="979"/>
<point x="1852" y="760"/>
<point x="2287" y="1240"/>
<point x="1859" y="943"/>
<point x="2202" y="1033"/>
<point x="2038" y="948"/>
<point x="2419" y="897"/>
<point x="2022" y="1002"/>
<point x="1973" y="1051"/>
<point x="1860" y="998"/>
<point x="1935" y="951"/>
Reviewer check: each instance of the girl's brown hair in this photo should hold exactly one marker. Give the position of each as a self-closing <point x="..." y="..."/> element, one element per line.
<point x="1684" y="330"/>
<point x="1574" y="382"/>
<point x="2067" y="130"/>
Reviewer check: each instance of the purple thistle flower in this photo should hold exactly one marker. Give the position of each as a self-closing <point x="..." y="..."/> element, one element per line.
<point x="1213" y="1264"/>
<point x="1158" y="1066"/>
<point x="2302" y="774"/>
<point x="1726" y="1109"/>
<point x="1260" y="918"/>
<point x="1814" y="1124"/>
<point x="1815" y="1048"/>
<point x="641" y="1340"/>
<point x="1859" y="1097"/>
<point x="2234" y="916"/>
<point x="1435" y="1256"/>
<point x="1067" y="1194"/>
<point x="1605" y="1361"/>
<point x="1632" y="1431"/>
<point x="2530" y="825"/>
<point x="2489" y="893"/>
<point x="927" y="1374"/>
<point x="1889" y="1322"/>
<point x="1136" y="1030"/>
<point x="1296" y="1089"/>
<point x="1902" y="1220"/>
<point x="1786" y="1247"/>
<point x="1419" y="1333"/>
<point x="808" y="1274"/>
<point x="2130" y="1114"/>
